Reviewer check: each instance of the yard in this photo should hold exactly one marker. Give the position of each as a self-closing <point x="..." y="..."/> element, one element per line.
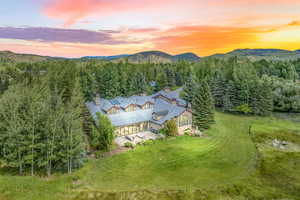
<point x="224" y="163"/>
<point x="224" y="156"/>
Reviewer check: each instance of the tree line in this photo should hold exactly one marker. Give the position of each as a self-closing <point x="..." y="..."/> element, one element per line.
<point x="41" y="121"/>
<point x="44" y="129"/>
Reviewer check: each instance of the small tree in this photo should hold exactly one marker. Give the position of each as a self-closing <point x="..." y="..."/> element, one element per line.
<point x="171" y="128"/>
<point x="103" y="138"/>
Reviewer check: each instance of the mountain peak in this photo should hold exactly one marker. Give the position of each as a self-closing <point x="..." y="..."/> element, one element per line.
<point x="187" y="56"/>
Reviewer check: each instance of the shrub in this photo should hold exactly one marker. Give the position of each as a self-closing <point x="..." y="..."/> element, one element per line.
<point x="163" y="131"/>
<point x="128" y="145"/>
<point x="245" y="109"/>
<point x="171" y="128"/>
<point x="99" y="154"/>
<point x="148" y="142"/>
<point x="187" y="132"/>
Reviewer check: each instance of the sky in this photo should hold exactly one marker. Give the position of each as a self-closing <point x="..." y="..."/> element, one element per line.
<point x="75" y="28"/>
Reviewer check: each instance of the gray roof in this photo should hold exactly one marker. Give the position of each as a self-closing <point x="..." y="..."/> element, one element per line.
<point x="123" y="118"/>
<point x="161" y="106"/>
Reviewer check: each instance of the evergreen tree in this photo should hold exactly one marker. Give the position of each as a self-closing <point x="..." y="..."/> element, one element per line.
<point x="161" y="81"/>
<point x="103" y="137"/>
<point x="170" y="78"/>
<point x="229" y="97"/>
<point x="189" y="88"/>
<point x="217" y="85"/>
<point x="202" y="106"/>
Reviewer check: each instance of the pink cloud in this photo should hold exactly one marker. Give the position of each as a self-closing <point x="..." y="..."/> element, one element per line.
<point x="71" y="11"/>
<point x="46" y="34"/>
<point x="252" y="2"/>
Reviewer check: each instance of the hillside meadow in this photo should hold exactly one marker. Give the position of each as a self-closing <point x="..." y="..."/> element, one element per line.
<point x="235" y="160"/>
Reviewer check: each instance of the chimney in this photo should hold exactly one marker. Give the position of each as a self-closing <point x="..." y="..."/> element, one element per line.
<point x="167" y="89"/>
<point x="97" y="100"/>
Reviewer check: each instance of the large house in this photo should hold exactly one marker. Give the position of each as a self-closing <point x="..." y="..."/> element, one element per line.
<point x="143" y="113"/>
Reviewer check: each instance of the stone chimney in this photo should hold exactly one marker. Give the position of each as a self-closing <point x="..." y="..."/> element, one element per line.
<point x="167" y="89"/>
<point x="144" y="94"/>
<point x="97" y="100"/>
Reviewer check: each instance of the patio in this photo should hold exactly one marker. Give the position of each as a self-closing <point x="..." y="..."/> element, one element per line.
<point x="136" y="138"/>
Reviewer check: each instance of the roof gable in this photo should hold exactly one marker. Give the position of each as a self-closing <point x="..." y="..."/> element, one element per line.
<point x="165" y="109"/>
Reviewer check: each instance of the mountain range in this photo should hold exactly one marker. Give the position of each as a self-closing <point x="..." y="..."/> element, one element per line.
<point x="258" y="54"/>
<point x="162" y="57"/>
<point x="149" y="56"/>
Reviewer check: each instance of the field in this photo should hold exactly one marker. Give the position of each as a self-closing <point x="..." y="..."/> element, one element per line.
<point x="182" y="162"/>
<point x="234" y="161"/>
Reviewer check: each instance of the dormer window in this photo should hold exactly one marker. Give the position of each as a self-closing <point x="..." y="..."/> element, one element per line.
<point x="130" y="108"/>
<point x="147" y="106"/>
<point x="113" y="110"/>
<point x="164" y="98"/>
<point x="158" y="115"/>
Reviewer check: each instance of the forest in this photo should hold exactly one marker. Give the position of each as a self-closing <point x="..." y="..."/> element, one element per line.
<point x="43" y="123"/>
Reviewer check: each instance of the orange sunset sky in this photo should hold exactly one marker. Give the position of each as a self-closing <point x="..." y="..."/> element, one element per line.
<point x="74" y="28"/>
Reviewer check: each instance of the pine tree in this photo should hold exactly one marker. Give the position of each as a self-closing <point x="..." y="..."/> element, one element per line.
<point x="202" y="106"/>
<point x="218" y="88"/>
<point x="266" y="99"/>
<point x="261" y="98"/>
<point x="229" y="97"/>
<point x="161" y="81"/>
<point x="104" y="137"/>
<point x="170" y="78"/>
<point x="189" y="88"/>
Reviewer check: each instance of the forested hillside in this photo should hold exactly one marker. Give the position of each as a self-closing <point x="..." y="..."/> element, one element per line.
<point x="259" y="54"/>
<point x="42" y="103"/>
<point x="11" y="57"/>
<point x="41" y="118"/>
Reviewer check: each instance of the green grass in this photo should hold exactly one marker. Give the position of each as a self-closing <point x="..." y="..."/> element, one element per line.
<point x="278" y="174"/>
<point x="226" y="156"/>
<point x="226" y="164"/>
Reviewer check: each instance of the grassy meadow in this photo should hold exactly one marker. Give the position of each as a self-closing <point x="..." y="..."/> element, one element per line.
<point x="235" y="160"/>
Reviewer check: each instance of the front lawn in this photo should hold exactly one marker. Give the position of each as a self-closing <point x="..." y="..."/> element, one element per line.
<point x="231" y="162"/>
<point x="225" y="156"/>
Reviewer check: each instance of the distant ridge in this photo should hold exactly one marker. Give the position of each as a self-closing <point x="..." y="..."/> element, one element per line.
<point x="106" y="57"/>
<point x="187" y="56"/>
<point x="148" y="56"/>
<point x="159" y="57"/>
<point x="256" y="54"/>
<point x="141" y="57"/>
<point x="9" y="56"/>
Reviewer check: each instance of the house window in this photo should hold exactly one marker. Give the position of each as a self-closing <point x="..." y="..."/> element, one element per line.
<point x="145" y="126"/>
<point x="165" y="99"/>
<point x="123" y="131"/>
<point x="130" y="108"/>
<point x="132" y="129"/>
<point x="147" y="106"/>
<point x="118" y="131"/>
<point x="184" y="119"/>
<point x="113" y="110"/>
